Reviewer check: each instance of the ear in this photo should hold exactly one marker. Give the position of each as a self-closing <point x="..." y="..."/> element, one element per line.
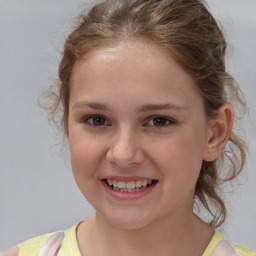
<point x="219" y="132"/>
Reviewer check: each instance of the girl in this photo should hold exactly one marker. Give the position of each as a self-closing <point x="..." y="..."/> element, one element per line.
<point x="147" y="112"/>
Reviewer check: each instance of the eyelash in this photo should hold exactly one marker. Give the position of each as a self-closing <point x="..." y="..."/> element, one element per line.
<point x="162" y="118"/>
<point x="151" y="119"/>
<point x="93" y="117"/>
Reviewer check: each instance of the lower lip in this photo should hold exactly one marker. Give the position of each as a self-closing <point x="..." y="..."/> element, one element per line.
<point x="128" y="195"/>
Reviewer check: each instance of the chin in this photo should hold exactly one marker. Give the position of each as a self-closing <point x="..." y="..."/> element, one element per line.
<point x="128" y="220"/>
<point x="128" y="225"/>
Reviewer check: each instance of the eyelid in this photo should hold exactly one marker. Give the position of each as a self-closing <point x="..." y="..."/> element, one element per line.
<point x="85" y="120"/>
<point x="171" y="120"/>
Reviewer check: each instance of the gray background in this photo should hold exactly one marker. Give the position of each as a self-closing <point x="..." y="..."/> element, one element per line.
<point x="37" y="191"/>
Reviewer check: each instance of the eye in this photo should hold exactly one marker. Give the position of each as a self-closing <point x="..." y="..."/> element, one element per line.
<point x="160" y="121"/>
<point x="96" y="121"/>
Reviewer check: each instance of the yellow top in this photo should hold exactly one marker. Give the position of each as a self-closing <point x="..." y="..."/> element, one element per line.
<point x="69" y="246"/>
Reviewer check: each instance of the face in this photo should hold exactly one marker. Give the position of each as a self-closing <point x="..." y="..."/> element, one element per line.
<point x="137" y="134"/>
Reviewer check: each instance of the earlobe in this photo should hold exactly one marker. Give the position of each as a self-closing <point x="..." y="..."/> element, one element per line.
<point x="219" y="132"/>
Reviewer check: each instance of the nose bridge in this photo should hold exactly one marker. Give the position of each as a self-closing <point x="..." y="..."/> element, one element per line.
<point x="124" y="145"/>
<point x="125" y="149"/>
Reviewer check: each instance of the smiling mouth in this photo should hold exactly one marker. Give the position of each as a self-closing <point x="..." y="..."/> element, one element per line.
<point x="130" y="186"/>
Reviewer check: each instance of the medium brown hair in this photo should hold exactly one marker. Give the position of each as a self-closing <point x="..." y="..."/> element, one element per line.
<point x="188" y="30"/>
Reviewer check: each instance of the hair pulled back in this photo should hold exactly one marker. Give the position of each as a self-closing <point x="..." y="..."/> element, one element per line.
<point x="190" y="33"/>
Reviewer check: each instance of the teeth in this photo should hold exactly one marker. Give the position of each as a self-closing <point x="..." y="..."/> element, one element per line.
<point x="138" y="184"/>
<point x="128" y="190"/>
<point x="144" y="183"/>
<point x="121" y="184"/>
<point x="130" y="186"/>
<point x="114" y="183"/>
<point x="110" y="183"/>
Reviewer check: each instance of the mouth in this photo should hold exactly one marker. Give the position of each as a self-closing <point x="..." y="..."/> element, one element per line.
<point x="129" y="186"/>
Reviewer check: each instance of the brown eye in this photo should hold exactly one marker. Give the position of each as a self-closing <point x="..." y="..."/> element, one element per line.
<point x="160" y="121"/>
<point x="96" y="121"/>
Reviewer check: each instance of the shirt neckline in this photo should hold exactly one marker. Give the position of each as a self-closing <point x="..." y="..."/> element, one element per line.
<point x="71" y="246"/>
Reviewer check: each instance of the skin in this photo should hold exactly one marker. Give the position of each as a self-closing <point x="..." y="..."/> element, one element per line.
<point x="115" y="85"/>
<point x="124" y="147"/>
<point x="122" y="85"/>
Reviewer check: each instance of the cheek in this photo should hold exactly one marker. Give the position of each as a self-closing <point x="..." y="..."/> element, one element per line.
<point x="86" y="154"/>
<point x="85" y="159"/>
<point x="179" y="159"/>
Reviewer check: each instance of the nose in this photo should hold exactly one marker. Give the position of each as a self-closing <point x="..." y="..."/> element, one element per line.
<point x="125" y="151"/>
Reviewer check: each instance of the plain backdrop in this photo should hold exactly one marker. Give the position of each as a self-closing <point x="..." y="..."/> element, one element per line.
<point x="37" y="191"/>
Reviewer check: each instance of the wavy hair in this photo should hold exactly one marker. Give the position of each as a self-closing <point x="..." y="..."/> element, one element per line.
<point x="188" y="30"/>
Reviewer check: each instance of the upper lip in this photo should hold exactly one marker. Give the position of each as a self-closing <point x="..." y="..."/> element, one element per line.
<point x="126" y="178"/>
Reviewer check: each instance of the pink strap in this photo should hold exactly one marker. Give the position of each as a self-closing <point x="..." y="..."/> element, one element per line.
<point x="225" y="248"/>
<point x="52" y="246"/>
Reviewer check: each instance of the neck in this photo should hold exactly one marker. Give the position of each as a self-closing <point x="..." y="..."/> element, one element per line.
<point x="178" y="235"/>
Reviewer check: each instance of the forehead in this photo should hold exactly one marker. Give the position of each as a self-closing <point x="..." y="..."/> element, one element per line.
<point x="126" y="57"/>
<point x="131" y="69"/>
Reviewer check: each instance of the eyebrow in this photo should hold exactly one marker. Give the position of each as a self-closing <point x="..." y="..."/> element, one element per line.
<point x="151" y="107"/>
<point x="143" y="108"/>
<point x="92" y="105"/>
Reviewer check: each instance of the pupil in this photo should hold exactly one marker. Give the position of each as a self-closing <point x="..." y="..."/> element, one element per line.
<point x="159" y="121"/>
<point x="98" y="120"/>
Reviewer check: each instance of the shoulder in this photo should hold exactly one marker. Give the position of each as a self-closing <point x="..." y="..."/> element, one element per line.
<point x="33" y="245"/>
<point x="244" y="251"/>
<point x="14" y="251"/>
<point x="220" y="245"/>
<point x="47" y="244"/>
